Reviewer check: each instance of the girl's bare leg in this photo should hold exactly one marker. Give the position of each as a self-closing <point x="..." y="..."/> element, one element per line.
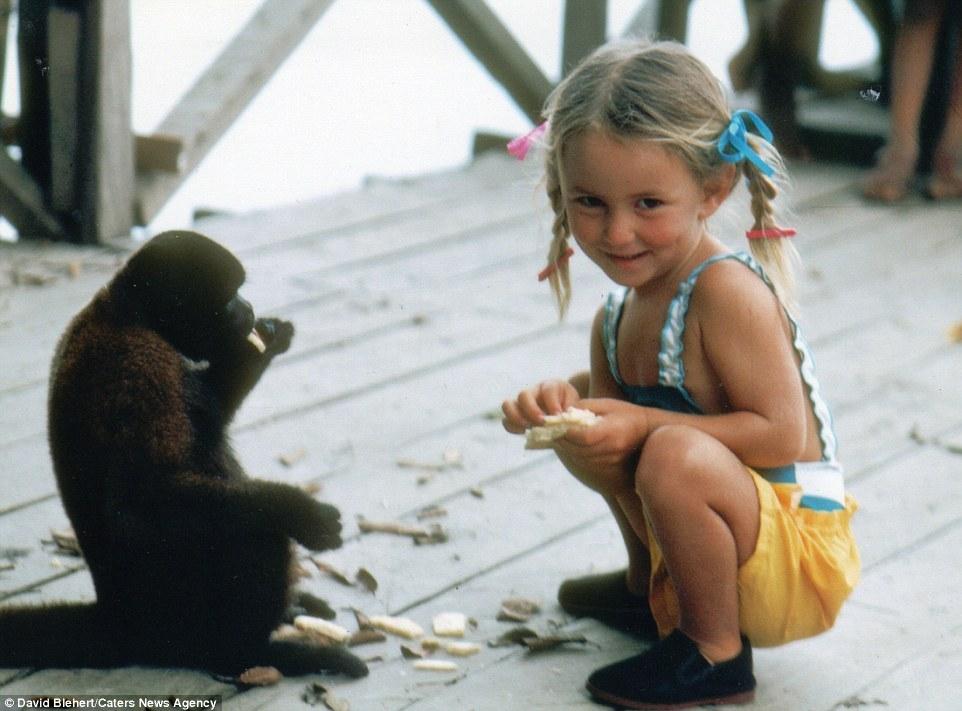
<point x="703" y="509"/>
<point x="946" y="179"/>
<point x="639" y="561"/>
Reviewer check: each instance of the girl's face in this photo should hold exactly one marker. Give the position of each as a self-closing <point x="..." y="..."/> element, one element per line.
<point x="634" y="207"/>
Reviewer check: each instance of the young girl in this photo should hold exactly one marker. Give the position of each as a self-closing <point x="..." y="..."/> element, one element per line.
<point x="714" y="449"/>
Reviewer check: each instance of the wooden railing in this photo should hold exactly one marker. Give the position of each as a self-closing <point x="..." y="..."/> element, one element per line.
<point x="84" y="177"/>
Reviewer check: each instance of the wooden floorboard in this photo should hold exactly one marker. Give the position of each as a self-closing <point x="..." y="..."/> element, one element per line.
<point x="418" y="311"/>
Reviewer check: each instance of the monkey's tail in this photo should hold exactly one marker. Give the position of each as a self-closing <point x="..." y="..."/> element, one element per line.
<point x="60" y="635"/>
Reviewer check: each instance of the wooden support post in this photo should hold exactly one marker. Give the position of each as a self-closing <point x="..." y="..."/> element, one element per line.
<point x="34" y="127"/>
<point x="4" y="23"/>
<point x="490" y="41"/>
<point x="585" y="28"/>
<point x="207" y="110"/>
<point x="673" y="19"/>
<point x="106" y="141"/>
<point x="22" y="203"/>
<point x="63" y="49"/>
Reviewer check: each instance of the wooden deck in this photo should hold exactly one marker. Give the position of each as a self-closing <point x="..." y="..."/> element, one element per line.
<point x="418" y="311"/>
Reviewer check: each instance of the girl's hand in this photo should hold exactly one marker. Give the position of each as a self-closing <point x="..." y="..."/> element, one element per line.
<point x="528" y="410"/>
<point x="605" y="455"/>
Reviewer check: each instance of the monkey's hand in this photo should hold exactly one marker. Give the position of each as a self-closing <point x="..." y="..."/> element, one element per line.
<point x="276" y="335"/>
<point x="313" y="524"/>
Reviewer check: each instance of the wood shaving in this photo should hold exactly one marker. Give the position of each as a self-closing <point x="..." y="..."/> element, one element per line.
<point x="411" y="653"/>
<point x="513" y="637"/>
<point x="315" y="625"/>
<point x="438" y="665"/>
<point x="398" y="626"/>
<point x="419" y="534"/>
<point x="450" y="624"/>
<point x="66" y="541"/>
<point x="462" y="649"/>
<point x="260" y="676"/>
<point x="432" y="512"/>
<point x="330" y="570"/>
<point x="289" y="459"/>
<point x="954" y="332"/>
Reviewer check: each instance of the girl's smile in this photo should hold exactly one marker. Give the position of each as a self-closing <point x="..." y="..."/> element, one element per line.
<point x="633" y="207"/>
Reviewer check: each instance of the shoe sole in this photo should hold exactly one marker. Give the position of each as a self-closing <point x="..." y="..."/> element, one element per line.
<point x="740" y="698"/>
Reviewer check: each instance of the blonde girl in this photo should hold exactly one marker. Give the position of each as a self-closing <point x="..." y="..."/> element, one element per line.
<point x="714" y="448"/>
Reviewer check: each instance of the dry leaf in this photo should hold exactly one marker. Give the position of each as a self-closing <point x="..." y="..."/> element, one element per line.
<point x="366" y="636"/>
<point x="364" y="577"/>
<point x="430" y="644"/>
<point x="363" y="621"/>
<point x="513" y="637"/>
<point x="315" y="694"/>
<point x="477" y="492"/>
<point x="329" y="569"/>
<point x="541" y="644"/>
<point x="518" y="609"/>
<point x="411" y="653"/>
<point x="260" y="676"/>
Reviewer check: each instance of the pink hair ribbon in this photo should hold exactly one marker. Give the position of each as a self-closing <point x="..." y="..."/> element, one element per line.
<point x="553" y="267"/>
<point x="770" y="233"/>
<point x="519" y="147"/>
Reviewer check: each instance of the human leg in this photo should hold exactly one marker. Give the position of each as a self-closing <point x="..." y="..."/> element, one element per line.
<point x="946" y="181"/>
<point x="912" y="59"/>
<point x="703" y="508"/>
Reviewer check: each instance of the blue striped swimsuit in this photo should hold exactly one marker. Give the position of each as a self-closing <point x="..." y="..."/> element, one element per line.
<point x="822" y="482"/>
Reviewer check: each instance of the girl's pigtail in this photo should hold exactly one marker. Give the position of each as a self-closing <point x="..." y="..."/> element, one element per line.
<point x="558" y="274"/>
<point x="768" y="242"/>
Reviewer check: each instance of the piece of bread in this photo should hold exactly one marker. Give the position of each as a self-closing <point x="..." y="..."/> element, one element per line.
<point x="556" y="426"/>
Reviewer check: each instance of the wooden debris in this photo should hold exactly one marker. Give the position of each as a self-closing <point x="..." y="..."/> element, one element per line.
<point x="366" y="636"/>
<point x="518" y="609"/>
<point x="512" y="637"/>
<point x="260" y="676"/>
<point x="398" y="626"/>
<point x="411" y="653"/>
<point x="7" y="565"/>
<point x="450" y="459"/>
<point x="438" y="665"/>
<point x="430" y="644"/>
<point x="368" y="581"/>
<point x="315" y="694"/>
<point x="329" y="569"/>
<point x="289" y="459"/>
<point x="462" y="649"/>
<point x="363" y="621"/>
<point x="954" y="332"/>
<point x="66" y="541"/>
<point x="328" y="630"/>
<point x="432" y="512"/>
<point x="477" y="492"/>
<point x="421" y="535"/>
<point x="541" y="644"/>
<point x="450" y="624"/>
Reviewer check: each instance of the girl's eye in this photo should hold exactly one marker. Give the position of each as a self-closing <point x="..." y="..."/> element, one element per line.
<point x="649" y="203"/>
<point x="588" y="201"/>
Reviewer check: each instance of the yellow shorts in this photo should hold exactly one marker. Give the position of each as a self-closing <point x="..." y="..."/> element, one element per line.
<point x="804" y="566"/>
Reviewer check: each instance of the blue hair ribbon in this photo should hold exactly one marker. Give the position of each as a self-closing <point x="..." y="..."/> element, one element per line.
<point x="733" y="142"/>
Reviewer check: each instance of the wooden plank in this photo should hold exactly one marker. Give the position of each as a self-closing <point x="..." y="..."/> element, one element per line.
<point x="106" y="142"/>
<point x="22" y="203"/>
<point x="585" y="28"/>
<point x="101" y="683"/>
<point x="161" y="152"/>
<point x="63" y="40"/>
<point x="493" y="45"/>
<point x="222" y="92"/>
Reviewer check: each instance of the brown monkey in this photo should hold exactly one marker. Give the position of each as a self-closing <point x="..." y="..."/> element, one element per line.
<point x="190" y="558"/>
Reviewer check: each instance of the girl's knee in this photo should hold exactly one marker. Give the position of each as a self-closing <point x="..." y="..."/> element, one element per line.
<point x="669" y="454"/>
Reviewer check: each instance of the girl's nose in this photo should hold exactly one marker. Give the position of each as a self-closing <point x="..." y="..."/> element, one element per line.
<point x="620" y="228"/>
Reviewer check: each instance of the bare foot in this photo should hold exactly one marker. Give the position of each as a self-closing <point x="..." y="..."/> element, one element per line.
<point x="945" y="183"/>
<point x="891" y="178"/>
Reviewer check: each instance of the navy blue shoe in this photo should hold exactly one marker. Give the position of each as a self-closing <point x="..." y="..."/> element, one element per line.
<point x="672" y="675"/>
<point x="606" y="598"/>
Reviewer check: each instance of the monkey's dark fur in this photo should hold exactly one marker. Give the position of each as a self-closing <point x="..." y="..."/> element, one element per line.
<point x="191" y="559"/>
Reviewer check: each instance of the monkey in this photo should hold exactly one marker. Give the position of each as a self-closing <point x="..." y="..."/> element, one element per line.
<point x="191" y="559"/>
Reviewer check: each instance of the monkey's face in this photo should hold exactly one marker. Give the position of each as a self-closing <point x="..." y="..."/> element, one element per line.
<point x="185" y="287"/>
